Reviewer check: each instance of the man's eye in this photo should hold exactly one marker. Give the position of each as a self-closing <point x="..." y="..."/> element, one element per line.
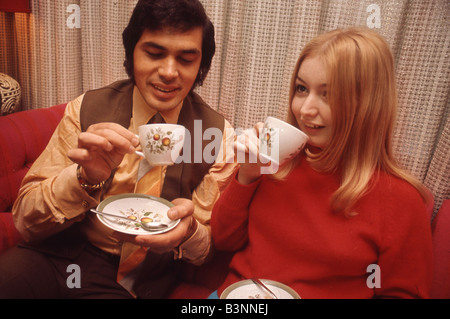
<point x="154" y="55"/>
<point x="185" y="61"/>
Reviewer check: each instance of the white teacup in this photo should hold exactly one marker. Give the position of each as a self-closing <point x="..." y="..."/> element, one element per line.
<point x="280" y="141"/>
<point x="161" y="142"/>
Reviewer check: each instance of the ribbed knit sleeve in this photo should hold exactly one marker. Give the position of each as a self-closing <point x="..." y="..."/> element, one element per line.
<point x="405" y="255"/>
<point x="230" y="216"/>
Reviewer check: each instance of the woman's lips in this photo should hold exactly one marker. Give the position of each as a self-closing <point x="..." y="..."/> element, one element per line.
<point x="313" y="126"/>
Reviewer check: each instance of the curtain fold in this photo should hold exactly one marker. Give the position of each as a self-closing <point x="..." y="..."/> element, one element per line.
<point x="66" y="47"/>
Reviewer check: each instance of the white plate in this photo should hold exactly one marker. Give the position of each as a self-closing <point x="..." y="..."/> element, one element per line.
<point x="138" y="205"/>
<point x="247" y="289"/>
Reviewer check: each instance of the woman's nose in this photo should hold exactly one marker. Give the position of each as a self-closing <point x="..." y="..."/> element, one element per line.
<point x="309" y="106"/>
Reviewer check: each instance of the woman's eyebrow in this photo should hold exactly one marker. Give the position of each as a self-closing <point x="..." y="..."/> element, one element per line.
<point x="301" y="80"/>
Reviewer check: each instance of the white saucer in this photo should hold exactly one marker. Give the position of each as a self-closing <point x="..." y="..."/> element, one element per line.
<point x="139" y="206"/>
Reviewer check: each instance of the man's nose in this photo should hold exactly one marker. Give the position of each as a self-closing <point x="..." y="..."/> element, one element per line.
<point x="168" y="69"/>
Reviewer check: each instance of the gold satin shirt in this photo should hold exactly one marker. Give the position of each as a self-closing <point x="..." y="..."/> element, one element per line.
<point x="51" y="198"/>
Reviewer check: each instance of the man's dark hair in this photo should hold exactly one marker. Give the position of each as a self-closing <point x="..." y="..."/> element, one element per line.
<point x="179" y="15"/>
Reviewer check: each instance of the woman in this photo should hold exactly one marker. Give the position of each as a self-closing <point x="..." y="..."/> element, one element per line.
<point x="341" y="219"/>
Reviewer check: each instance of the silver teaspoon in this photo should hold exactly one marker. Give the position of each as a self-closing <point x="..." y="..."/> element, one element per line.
<point x="151" y="226"/>
<point x="259" y="283"/>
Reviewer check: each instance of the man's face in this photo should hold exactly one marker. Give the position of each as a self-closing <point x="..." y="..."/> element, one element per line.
<point x="166" y="64"/>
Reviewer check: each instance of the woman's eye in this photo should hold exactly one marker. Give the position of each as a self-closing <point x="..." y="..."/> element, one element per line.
<point x="300" y="89"/>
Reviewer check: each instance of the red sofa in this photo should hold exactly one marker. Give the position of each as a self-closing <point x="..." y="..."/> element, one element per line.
<point x="440" y="288"/>
<point x="23" y="136"/>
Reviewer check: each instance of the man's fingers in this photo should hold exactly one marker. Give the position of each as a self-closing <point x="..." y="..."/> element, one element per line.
<point x="166" y="241"/>
<point x="183" y="208"/>
<point x="106" y="140"/>
<point x="93" y="141"/>
<point x="79" y="155"/>
<point x="114" y="131"/>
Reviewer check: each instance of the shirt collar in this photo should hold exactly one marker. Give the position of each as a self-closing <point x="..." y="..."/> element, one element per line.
<point x="142" y="112"/>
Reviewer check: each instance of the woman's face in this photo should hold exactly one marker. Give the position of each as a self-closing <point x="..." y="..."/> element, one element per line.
<point x="310" y="105"/>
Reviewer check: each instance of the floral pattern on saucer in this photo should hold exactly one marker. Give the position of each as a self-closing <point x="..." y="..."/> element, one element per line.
<point x="135" y="207"/>
<point x="136" y="217"/>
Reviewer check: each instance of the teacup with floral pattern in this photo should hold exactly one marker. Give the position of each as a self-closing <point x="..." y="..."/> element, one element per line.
<point x="161" y="143"/>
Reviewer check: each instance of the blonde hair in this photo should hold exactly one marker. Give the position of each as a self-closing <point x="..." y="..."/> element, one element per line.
<point x="362" y="96"/>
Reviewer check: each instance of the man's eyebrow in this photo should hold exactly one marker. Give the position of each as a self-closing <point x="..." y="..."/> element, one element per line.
<point x="191" y="51"/>
<point x="160" y="47"/>
<point x="153" y="45"/>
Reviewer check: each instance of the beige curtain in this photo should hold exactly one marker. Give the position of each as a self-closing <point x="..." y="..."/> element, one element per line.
<point x="66" y="47"/>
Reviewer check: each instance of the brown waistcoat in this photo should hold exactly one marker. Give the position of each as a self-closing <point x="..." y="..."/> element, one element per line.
<point x="114" y="103"/>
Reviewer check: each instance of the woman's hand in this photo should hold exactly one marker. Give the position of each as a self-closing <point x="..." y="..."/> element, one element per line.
<point x="246" y="149"/>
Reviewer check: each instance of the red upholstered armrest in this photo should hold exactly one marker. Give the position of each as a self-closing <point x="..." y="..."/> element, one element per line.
<point x="23" y="137"/>
<point x="441" y="248"/>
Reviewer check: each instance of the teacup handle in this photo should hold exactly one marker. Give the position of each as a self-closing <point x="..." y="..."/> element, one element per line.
<point x="137" y="152"/>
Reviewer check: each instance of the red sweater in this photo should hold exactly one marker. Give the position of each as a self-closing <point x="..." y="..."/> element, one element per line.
<point x="285" y="231"/>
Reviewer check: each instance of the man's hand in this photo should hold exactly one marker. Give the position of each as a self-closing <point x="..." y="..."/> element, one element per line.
<point x="160" y="243"/>
<point x="101" y="149"/>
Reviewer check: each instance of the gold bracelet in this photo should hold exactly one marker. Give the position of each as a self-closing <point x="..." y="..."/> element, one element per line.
<point x="86" y="185"/>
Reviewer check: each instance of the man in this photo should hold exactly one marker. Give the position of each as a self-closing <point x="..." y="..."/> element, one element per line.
<point x="169" y="45"/>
